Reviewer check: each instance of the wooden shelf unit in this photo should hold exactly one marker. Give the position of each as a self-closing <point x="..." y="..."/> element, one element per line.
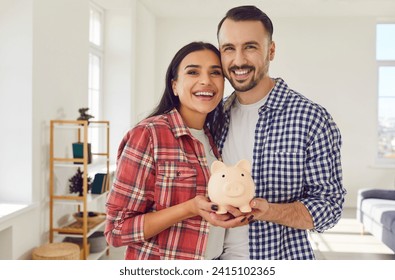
<point x="81" y="202"/>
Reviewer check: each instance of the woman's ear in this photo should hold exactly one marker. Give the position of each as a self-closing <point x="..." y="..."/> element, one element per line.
<point x="174" y="87"/>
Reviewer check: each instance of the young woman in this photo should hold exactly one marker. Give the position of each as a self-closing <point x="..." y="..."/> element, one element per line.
<point x="158" y="200"/>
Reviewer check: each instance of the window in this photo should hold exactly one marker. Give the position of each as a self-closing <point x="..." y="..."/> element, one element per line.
<point x="385" y="56"/>
<point x="95" y="70"/>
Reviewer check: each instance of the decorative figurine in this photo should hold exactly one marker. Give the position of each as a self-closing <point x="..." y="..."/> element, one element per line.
<point x="231" y="185"/>
<point x="83" y="115"/>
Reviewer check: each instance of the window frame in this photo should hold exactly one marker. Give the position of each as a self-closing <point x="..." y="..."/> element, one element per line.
<point x="96" y="50"/>
<point x="382" y="161"/>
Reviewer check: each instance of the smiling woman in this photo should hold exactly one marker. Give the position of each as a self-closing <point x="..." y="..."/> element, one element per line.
<point x="199" y="87"/>
<point x="157" y="206"/>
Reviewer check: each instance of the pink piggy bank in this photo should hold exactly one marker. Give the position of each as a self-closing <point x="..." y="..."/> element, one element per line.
<point x="231" y="185"/>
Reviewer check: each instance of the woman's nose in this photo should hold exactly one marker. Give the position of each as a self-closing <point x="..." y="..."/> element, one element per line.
<point x="205" y="79"/>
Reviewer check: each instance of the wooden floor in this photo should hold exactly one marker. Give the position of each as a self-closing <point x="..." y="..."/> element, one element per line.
<point x="342" y="242"/>
<point x="345" y="241"/>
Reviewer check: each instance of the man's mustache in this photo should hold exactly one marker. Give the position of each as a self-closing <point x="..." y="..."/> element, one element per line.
<point x="242" y="67"/>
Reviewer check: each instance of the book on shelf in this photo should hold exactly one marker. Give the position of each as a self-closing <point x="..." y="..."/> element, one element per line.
<point x="99" y="183"/>
<point x="78" y="151"/>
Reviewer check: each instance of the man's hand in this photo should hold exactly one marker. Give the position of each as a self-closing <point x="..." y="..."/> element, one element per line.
<point x="260" y="207"/>
<point x="293" y="214"/>
<point x="233" y="218"/>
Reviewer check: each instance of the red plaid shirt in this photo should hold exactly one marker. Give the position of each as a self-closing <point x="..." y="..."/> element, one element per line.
<point x="159" y="164"/>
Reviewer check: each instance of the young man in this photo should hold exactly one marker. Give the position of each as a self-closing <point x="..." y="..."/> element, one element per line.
<point x="293" y="143"/>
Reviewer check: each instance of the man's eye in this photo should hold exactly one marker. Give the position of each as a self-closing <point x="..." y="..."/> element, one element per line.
<point x="228" y="49"/>
<point x="250" y="47"/>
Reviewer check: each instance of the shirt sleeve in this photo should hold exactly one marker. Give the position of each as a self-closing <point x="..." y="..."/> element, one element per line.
<point x="131" y="195"/>
<point x="323" y="190"/>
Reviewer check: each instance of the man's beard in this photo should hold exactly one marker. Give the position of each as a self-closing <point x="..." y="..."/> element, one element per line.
<point x="244" y="87"/>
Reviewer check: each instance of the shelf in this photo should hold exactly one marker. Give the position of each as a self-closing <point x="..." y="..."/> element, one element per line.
<point x="75" y="229"/>
<point x="76" y="199"/>
<point x="90" y="164"/>
<point x="98" y="164"/>
<point x="71" y="124"/>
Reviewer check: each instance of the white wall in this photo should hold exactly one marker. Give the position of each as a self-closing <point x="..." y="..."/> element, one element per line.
<point x="145" y="63"/>
<point x="130" y="63"/>
<point x="16" y="100"/>
<point x="117" y="84"/>
<point x="45" y="76"/>
<point x="60" y="82"/>
<point x="16" y="126"/>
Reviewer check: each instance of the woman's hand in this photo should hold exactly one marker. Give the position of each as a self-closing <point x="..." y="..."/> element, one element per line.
<point x="200" y="206"/>
<point x="233" y="217"/>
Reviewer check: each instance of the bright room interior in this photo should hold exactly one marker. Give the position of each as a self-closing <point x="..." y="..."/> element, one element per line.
<point x="326" y="50"/>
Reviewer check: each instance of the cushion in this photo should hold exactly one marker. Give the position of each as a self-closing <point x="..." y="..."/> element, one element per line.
<point x="379" y="193"/>
<point x="388" y="220"/>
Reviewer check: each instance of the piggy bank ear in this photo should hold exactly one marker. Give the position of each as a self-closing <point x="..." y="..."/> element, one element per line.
<point x="245" y="164"/>
<point x="217" y="165"/>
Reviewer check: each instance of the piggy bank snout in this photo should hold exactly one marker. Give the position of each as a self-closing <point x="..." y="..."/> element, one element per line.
<point x="233" y="189"/>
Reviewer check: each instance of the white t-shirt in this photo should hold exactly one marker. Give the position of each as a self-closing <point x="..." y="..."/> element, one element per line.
<point x="216" y="236"/>
<point x="239" y="144"/>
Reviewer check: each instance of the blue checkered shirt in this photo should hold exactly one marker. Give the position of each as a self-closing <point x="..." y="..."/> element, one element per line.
<point x="296" y="158"/>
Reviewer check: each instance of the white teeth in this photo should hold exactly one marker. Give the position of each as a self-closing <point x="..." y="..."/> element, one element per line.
<point x="204" y="93"/>
<point x="241" y="72"/>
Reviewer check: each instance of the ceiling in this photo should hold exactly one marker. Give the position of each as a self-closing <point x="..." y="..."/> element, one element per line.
<point x="274" y="8"/>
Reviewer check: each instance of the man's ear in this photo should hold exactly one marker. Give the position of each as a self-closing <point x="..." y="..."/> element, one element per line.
<point x="272" y="50"/>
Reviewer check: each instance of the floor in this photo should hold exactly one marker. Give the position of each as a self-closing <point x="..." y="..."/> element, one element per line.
<point x="342" y="242"/>
<point x="345" y="241"/>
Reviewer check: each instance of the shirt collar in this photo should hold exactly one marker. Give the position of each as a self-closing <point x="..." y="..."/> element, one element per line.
<point x="178" y="126"/>
<point x="275" y="101"/>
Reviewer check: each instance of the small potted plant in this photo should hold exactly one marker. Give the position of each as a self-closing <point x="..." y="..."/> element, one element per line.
<point x="76" y="182"/>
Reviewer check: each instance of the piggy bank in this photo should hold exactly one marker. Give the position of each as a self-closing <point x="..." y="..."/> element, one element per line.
<point x="231" y="185"/>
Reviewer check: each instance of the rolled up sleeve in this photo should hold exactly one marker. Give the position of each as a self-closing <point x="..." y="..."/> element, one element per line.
<point x="324" y="191"/>
<point x="131" y="195"/>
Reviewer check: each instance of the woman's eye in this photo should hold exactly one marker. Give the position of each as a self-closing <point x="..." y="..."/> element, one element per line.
<point x="192" y="72"/>
<point x="217" y="73"/>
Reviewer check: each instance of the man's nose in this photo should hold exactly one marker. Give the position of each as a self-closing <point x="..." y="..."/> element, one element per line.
<point x="239" y="58"/>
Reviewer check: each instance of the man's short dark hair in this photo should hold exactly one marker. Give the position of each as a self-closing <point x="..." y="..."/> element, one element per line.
<point x="245" y="13"/>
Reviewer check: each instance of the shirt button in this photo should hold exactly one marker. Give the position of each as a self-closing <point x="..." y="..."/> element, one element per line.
<point x="178" y="173"/>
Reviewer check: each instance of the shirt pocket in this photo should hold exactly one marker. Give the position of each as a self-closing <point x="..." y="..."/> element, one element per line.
<point x="284" y="176"/>
<point x="175" y="183"/>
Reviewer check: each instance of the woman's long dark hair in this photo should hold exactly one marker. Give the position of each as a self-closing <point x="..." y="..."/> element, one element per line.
<point x="170" y="101"/>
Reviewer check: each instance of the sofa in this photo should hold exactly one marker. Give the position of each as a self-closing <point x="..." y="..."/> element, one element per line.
<point x="376" y="212"/>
